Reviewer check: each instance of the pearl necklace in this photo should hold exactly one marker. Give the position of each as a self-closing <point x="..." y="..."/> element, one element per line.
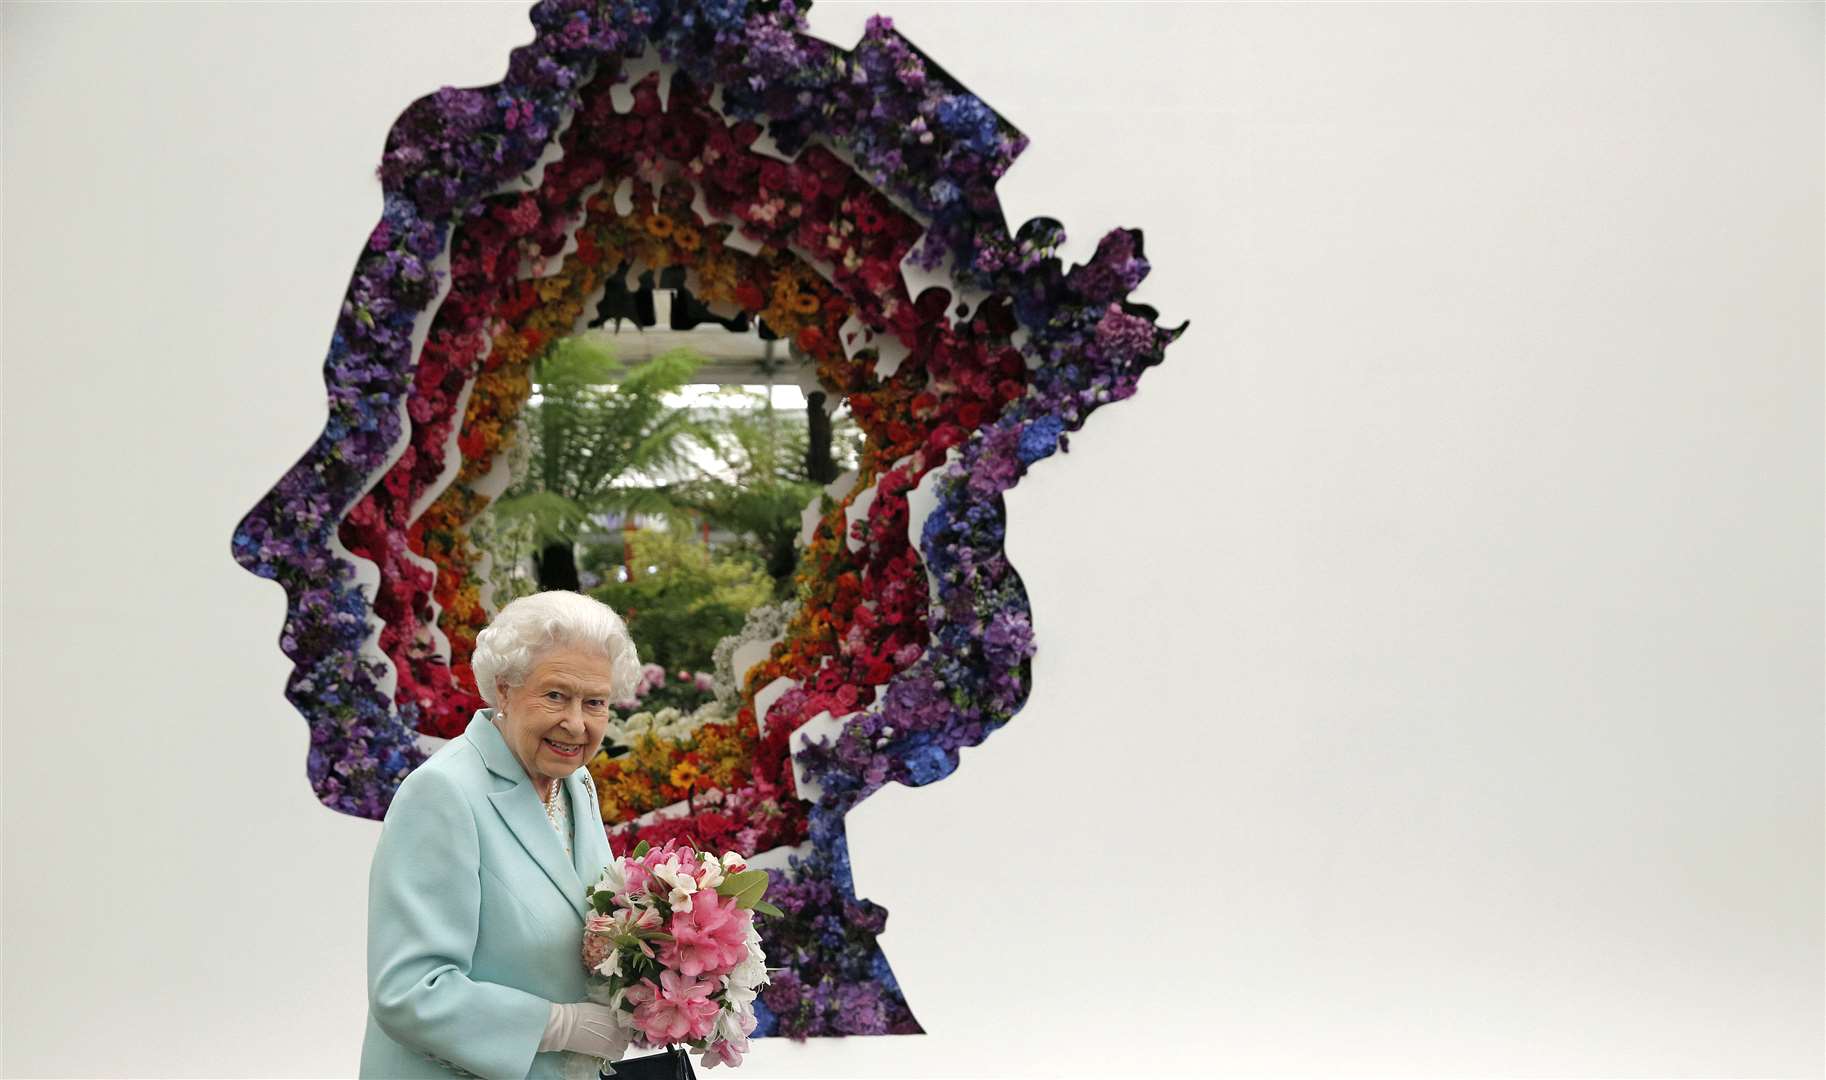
<point x="551" y="802"/>
<point x="560" y="822"/>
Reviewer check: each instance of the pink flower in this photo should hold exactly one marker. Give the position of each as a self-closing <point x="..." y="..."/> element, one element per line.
<point x="724" y="1052"/>
<point x="596" y="940"/>
<point x="709" y="939"/>
<point x="636" y="875"/>
<point x="679" y="1008"/>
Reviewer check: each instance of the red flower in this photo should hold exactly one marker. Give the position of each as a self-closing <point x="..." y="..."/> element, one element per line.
<point x="944" y="437"/>
<point x="587" y="249"/>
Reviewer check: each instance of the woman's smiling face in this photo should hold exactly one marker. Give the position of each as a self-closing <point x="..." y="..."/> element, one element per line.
<point x="563" y="705"/>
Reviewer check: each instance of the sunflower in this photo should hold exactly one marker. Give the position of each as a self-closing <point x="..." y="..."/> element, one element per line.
<point x="659" y="225"/>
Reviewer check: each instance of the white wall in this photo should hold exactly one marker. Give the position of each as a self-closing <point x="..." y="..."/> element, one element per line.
<point x="1430" y="655"/>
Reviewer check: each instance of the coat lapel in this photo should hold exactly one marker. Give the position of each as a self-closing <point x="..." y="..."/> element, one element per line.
<point x="586" y="815"/>
<point x="519" y="807"/>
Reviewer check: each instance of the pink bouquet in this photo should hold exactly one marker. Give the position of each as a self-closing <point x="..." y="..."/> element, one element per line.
<point x="672" y="940"/>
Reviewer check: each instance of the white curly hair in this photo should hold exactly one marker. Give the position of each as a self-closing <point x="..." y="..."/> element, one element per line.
<point x="524" y="629"/>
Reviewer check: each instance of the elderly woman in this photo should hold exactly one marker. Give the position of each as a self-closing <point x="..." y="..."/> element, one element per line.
<point x="476" y="895"/>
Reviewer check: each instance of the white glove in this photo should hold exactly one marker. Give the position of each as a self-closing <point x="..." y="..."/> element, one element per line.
<point x="585" y="1028"/>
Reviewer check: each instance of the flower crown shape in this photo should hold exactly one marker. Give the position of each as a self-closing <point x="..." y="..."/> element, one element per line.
<point x="794" y="181"/>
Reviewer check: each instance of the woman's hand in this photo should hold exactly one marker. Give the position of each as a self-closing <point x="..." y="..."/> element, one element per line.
<point x="586" y="1028"/>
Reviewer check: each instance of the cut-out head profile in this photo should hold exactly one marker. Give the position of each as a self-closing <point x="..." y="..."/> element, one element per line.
<point x="845" y="200"/>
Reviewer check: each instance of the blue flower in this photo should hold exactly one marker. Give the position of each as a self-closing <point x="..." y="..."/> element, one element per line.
<point x="928" y="763"/>
<point x="882" y="973"/>
<point x="763" y="1020"/>
<point x="1040" y="438"/>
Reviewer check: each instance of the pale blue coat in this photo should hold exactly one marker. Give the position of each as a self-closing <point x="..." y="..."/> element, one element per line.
<point x="475" y="916"/>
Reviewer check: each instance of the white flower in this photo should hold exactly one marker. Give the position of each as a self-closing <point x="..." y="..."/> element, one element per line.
<point x="710" y="871"/>
<point x="628" y="732"/>
<point x="611" y="965"/>
<point x="734" y="993"/>
<point x="739" y="985"/>
<point x="614" y="879"/>
<point x="735" y="1022"/>
<point x="680" y="881"/>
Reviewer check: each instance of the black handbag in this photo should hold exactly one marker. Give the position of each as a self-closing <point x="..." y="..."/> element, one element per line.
<point x="670" y="1064"/>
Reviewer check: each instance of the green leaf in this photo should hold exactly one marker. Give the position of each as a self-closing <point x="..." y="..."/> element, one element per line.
<point x="551" y="517"/>
<point x="640" y="850"/>
<point x="580" y="362"/>
<point x="746" y="887"/>
<point x="766" y="908"/>
<point x="734" y="884"/>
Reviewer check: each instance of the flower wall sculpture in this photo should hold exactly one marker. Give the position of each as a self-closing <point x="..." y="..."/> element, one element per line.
<point x="791" y="180"/>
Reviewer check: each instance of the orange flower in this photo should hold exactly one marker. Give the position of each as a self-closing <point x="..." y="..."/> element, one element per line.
<point x="660" y="225"/>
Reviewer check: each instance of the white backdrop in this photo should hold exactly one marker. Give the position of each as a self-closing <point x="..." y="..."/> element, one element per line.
<point x="1429" y="676"/>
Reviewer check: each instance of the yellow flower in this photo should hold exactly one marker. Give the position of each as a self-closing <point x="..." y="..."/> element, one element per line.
<point x="684" y="774"/>
<point x="463" y="604"/>
<point x="659" y="225"/>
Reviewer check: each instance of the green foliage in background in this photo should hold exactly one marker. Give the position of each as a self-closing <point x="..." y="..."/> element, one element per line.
<point x="765" y="488"/>
<point x="602" y="441"/>
<point x="695" y="598"/>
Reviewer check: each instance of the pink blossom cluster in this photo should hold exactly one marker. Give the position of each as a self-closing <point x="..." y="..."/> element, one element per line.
<point x="684" y="959"/>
